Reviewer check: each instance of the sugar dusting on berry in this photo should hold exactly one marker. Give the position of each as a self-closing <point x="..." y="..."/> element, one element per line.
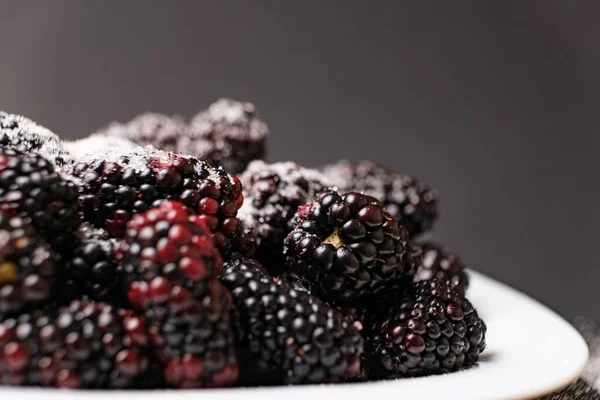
<point x="97" y="144"/>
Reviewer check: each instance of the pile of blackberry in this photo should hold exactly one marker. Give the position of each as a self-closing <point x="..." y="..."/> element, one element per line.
<point x="136" y="259"/>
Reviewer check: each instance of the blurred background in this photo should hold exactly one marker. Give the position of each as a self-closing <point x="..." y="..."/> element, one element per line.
<point x="495" y="104"/>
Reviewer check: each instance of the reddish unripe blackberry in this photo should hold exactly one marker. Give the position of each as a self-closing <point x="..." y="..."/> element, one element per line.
<point x="273" y="193"/>
<point x="437" y="262"/>
<point x="432" y="329"/>
<point x="405" y="197"/>
<point x="91" y="269"/>
<point x="30" y="187"/>
<point x="85" y="345"/>
<point x="28" y="266"/>
<point x="119" y="183"/>
<point x="26" y="136"/>
<point x="286" y="335"/>
<point x="158" y="130"/>
<point x="170" y="264"/>
<point x="347" y="247"/>
<point x="170" y="246"/>
<point x="229" y="134"/>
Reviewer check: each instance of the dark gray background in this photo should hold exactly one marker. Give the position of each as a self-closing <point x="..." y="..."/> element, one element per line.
<point x="494" y="103"/>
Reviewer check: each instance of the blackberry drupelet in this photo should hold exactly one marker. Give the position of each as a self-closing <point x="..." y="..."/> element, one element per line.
<point x="347" y="247"/>
<point x="85" y="345"/>
<point x="91" y="269"/>
<point x="273" y="193"/>
<point x="158" y="130"/>
<point x="432" y="329"/>
<point x="26" y="136"/>
<point x="30" y="187"/>
<point x="440" y="263"/>
<point x="229" y="134"/>
<point x="170" y="266"/>
<point x="405" y="197"/>
<point x="286" y="335"/>
<point x="28" y="266"/>
<point x="118" y="183"/>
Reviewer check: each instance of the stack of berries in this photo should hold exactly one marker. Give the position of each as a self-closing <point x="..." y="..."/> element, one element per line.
<point x="135" y="259"/>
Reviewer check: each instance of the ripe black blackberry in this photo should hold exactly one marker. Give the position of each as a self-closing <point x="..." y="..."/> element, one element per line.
<point x="286" y="335"/>
<point x="118" y="183"/>
<point x="405" y="197"/>
<point x="170" y="264"/>
<point x="28" y="266"/>
<point x="85" y="345"/>
<point x="347" y="247"/>
<point x="273" y="193"/>
<point x="91" y="269"/>
<point x="229" y="134"/>
<point x="26" y="136"/>
<point x="30" y="187"/>
<point x="432" y="329"/>
<point x="437" y="262"/>
<point x="158" y="130"/>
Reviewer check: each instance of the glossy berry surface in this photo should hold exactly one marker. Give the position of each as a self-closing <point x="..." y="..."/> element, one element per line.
<point x="286" y="335"/>
<point x="28" y="266"/>
<point x="347" y="247"/>
<point x="432" y="329"/>
<point x="84" y="345"/>
<point x="405" y="197"/>
<point x="273" y="193"/>
<point x="117" y="184"/>
<point x="30" y="187"/>
<point x="170" y="266"/>
<point x="90" y="268"/>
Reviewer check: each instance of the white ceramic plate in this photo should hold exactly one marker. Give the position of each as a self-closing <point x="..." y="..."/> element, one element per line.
<point x="531" y="351"/>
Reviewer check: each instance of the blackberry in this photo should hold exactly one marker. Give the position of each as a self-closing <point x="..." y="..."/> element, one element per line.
<point x="158" y="130"/>
<point x="347" y="247"/>
<point x="91" y="268"/>
<point x="118" y="183"/>
<point x="229" y="134"/>
<point x="273" y="193"/>
<point x="26" y="136"/>
<point x="286" y="335"/>
<point x="28" y="266"/>
<point x="432" y="329"/>
<point x="30" y="186"/>
<point x="405" y="197"/>
<point x="85" y="345"/>
<point x="170" y="265"/>
<point x="440" y="263"/>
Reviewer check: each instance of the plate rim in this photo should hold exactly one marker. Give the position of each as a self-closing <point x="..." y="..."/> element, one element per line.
<point x="346" y="389"/>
